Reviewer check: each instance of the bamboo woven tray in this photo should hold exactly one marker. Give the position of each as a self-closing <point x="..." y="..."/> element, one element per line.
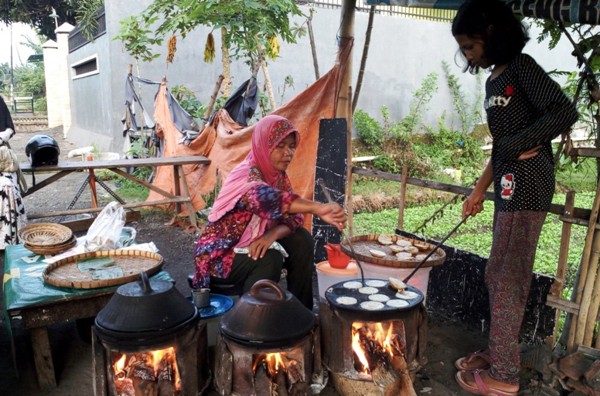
<point x="51" y="250"/>
<point x="45" y="234"/>
<point x="76" y="272"/>
<point x="362" y="245"/>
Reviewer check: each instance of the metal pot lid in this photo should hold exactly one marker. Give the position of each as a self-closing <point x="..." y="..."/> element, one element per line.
<point x="267" y="315"/>
<point x="145" y="306"/>
<point x="372" y="295"/>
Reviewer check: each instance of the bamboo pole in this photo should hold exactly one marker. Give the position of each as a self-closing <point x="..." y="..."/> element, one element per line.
<point x="349" y="166"/>
<point x="587" y="274"/>
<point x="592" y="315"/>
<point x="346" y="35"/>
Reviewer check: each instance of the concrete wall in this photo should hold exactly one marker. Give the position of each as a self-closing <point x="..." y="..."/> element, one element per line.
<point x="402" y="52"/>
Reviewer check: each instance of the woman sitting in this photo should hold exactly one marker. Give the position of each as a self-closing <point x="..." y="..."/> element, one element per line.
<point x="255" y="225"/>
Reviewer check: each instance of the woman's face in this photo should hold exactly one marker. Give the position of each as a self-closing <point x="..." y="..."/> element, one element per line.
<point x="282" y="154"/>
<point x="474" y="50"/>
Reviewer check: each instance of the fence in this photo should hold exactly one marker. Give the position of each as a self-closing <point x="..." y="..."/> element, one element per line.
<point x="428" y="14"/>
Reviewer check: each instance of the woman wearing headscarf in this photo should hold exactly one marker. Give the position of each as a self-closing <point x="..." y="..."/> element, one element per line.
<point x="255" y="225"/>
<point x="12" y="210"/>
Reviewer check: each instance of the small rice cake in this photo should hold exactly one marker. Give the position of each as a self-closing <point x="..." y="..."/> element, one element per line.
<point x="407" y="295"/>
<point x="372" y="305"/>
<point x="396" y="249"/>
<point x="384" y="239"/>
<point x="377" y="253"/>
<point x="403" y="242"/>
<point x="344" y="300"/>
<point x="379" y="297"/>
<point x="376" y="283"/>
<point x="397" y="303"/>
<point x="411" y="249"/>
<point x="404" y="255"/>
<point x="353" y="285"/>
<point x="421" y="245"/>
<point x="368" y="290"/>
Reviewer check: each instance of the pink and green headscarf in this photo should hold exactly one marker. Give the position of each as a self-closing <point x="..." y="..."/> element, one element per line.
<point x="256" y="169"/>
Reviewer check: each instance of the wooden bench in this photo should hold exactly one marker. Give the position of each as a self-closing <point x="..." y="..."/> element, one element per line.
<point x="180" y="196"/>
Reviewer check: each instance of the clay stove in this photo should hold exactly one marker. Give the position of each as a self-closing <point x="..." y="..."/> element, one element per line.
<point x="370" y="348"/>
<point x="268" y="345"/>
<point x="148" y="340"/>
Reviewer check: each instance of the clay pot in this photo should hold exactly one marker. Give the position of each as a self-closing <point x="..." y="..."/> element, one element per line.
<point x="145" y="308"/>
<point x="335" y="256"/>
<point x="267" y="316"/>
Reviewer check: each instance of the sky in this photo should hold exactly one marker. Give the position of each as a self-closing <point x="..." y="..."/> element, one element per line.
<point x="20" y="52"/>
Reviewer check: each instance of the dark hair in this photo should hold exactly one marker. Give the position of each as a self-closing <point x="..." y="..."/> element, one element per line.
<point x="494" y="22"/>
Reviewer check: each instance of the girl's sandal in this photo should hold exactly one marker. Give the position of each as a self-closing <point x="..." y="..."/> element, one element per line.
<point x="478" y="386"/>
<point x="476" y="360"/>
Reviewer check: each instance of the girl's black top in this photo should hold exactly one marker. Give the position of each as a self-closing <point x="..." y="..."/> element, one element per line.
<point x="525" y="108"/>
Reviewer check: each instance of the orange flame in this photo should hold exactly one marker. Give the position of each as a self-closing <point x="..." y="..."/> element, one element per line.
<point x="153" y="359"/>
<point x="386" y="341"/>
<point x="275" y="362"/>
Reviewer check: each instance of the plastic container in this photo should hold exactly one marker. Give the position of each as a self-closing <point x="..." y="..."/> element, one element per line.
<point x="327" y="275"/>
<point x="420" y="279"/>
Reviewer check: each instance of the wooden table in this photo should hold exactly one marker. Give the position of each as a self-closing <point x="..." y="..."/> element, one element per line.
<point x="37" y="305"/>
<point x="181" y="195"/>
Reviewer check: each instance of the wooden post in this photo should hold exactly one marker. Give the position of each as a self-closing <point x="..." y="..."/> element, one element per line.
<point x="594" y="305"/>
<point x="559" y="281"/>
<point x="400" y="224"/>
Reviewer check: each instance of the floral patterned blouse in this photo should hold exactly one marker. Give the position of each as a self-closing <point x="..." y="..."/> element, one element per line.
<point x="214" y="250"/>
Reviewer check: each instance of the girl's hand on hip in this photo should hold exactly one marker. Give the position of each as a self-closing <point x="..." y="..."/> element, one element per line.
<point x="258" y="248"/>
<point x="529" y="153"/>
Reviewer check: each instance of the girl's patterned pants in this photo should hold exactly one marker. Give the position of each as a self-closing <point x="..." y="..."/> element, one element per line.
<point x="508" y="278"/>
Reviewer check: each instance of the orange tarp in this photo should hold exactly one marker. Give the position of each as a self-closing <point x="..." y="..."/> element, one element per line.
<point x="226" y="143"/>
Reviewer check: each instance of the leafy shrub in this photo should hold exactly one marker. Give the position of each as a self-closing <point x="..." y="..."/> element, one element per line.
<point x="368" y="129"/>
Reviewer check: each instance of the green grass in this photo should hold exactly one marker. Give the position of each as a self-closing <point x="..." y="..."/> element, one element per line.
<point x="475" y="236"/>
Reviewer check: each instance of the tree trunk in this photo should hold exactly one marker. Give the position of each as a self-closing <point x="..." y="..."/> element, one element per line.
<point x="313" y="46"/>
<point x="226" y="91"/>
<point x="268" y="85"/>
<point x="363" y="60"/>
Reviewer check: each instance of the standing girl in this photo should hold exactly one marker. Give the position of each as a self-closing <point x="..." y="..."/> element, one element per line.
<point x="525" y="111"/>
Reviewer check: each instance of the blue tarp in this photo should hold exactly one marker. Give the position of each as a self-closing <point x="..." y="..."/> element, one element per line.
<point x="576" y="11"/>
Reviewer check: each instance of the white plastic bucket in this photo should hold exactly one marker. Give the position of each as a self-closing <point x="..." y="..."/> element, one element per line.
<point x="420" y="279"/>
<point x="328" y="276"/>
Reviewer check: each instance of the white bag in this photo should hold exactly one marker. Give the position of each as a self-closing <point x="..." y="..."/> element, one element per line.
<point x="105" y="231"/>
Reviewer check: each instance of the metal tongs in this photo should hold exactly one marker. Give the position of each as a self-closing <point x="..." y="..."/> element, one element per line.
<point x="344" y="236"/>
<point x="440" y="243"/>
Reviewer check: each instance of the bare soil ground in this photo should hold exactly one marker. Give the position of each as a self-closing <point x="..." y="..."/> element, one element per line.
<point x="72" y="356"/>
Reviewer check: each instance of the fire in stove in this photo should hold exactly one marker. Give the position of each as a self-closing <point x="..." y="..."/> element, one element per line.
<point x="279" y="372"/>
<point x="146" y="373"/>
<point x="376" y="345"/>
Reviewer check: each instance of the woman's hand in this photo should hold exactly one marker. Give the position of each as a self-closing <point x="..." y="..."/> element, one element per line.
<point x="258" y="248"/>
<point x="473" y="204"/>
<point x="333" y="214"/>
<point x="529" y="153"/>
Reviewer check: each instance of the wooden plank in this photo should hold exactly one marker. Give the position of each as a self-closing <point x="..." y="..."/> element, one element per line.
<point x="63" y="310"/>
<point x="96" y="210"/>
<point x="563" y="305"/>
<point x="45" y="182"/>
<point x="579" y="213"/>
<point x="586" y="152"/>
<point x="400" y="224"/>
<point x="121" y="163"/>
<point x="42" y="356"/>
<point x="84" y="224"/>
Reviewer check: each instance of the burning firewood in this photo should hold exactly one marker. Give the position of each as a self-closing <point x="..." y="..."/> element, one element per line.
<point x="262" y="383"/>
<point x="166" y="376"/>
<point x="280" y="383"/>
<point x="403" y="386"/>
<point x="142" y="375"/>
